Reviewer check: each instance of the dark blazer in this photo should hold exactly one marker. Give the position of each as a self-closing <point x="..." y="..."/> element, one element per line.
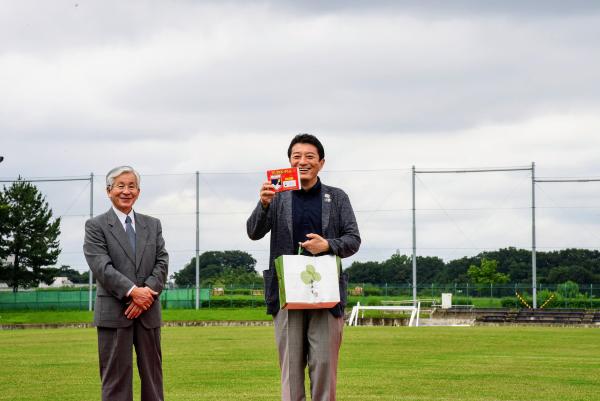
<point x="339" y="228"/>
<point x="116" y="269"/>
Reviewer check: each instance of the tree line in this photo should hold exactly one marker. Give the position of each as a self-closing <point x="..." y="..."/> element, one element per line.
<point x="220" y="268"/>
<point x="505" y="265"/>
<point x="513" y="265"/>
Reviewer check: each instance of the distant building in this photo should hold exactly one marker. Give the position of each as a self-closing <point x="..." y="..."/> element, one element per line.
<point x="57" y="283"/>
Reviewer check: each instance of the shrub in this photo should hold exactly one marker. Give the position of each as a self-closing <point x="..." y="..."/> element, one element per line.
<point x="568" y="289"/>
<point x="370" y="290"/>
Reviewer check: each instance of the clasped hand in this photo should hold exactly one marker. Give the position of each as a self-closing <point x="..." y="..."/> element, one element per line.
<point x="142" y="298"/>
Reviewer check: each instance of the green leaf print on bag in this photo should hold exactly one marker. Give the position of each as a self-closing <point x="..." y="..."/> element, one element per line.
<point x="310" y="275"/>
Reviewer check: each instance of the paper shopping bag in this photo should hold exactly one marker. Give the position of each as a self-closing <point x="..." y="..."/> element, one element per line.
<point x="308" y="282"/>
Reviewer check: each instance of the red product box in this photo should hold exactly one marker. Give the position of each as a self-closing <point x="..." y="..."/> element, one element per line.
<point x="284" y="179"/>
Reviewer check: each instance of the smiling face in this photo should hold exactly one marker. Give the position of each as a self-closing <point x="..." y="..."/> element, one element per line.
<point x="124" y="192"/>
<point x="305" y="156"/>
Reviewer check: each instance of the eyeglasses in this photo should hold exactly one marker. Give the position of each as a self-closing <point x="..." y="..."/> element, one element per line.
<point x="122" y="187"/>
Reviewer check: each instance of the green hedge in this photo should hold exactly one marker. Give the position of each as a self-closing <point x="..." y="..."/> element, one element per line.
<point x="234" y="302"/>
<point x="225" y="301"/>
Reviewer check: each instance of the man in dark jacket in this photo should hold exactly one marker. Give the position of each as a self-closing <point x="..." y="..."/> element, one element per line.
<point x="321" y="219"/>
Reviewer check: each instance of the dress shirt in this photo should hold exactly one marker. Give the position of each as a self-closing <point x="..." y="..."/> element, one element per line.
<point x="306" y="214"/>
<point x="122" y="216"/>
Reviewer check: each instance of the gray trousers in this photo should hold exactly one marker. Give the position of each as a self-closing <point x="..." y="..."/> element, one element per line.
<point x="312" y="337"/>
<point x="115" y="348"/>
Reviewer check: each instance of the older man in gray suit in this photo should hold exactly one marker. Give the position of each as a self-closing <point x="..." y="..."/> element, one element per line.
<point x="126" y="252"/>
<point x="320" y="219"/>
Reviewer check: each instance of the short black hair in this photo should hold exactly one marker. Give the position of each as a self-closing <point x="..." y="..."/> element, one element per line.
<point x="307" y="138"/>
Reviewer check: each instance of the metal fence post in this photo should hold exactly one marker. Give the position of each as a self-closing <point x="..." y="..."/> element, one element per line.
<point x="197" y="239"/>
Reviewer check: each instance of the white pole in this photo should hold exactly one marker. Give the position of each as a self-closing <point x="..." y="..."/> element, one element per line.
<point x="91" y="279"/>
<point x="197" y="239"/>
<point x="414" y="240"/>
<point x="533" y="261"/>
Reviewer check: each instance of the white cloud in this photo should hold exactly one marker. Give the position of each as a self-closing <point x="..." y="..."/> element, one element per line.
<point x="172" y="88"/>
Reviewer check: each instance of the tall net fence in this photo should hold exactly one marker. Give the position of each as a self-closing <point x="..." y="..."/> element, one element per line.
<point x="456" y="216"/>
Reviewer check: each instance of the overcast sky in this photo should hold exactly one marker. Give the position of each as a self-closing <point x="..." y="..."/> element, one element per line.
<point x="174" y="87"/>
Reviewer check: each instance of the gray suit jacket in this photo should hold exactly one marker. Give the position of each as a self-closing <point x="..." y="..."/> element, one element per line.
<point x="116" y="269"/>
<point x="339" y="228"/>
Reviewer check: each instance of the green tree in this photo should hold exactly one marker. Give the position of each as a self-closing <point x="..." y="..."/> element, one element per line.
<point x="235" y="277"/>
<point x="487" y="273"/>
<point x="225" y="265"/>
<point x="395" y="270"/>
<point x="73" y="275"/>
<point x="28" y="236"/>
<point x="365" y="272"/>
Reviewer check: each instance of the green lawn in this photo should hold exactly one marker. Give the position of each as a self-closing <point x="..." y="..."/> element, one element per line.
<point x="377" y="363"/>
<point x="25" y="317"/>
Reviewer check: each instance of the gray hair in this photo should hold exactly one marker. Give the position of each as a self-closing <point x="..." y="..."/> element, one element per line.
<point x="117" y="171"/>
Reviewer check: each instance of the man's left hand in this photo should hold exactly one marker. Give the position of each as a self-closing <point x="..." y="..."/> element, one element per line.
<point x="316" y="244"/>
<point x="133" y="311"/>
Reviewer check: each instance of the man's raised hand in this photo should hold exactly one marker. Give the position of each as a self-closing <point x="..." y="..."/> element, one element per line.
<point x="267" y="193"/>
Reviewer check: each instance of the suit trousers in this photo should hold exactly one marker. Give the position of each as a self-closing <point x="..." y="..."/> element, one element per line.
<point x="308" y="337"/>
<point x="115" y="347"/>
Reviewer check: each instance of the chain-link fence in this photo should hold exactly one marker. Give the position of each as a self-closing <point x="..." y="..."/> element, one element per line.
<point x="483" y="296"/>
<point x="450" y="223"/>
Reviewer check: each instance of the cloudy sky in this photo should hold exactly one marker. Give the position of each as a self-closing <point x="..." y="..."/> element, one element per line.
<point x="174" y="87"/>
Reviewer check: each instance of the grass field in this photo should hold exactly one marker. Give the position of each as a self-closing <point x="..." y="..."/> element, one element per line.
<point x="377" y="363"/>
<point x="30" y="317"/>
<point x="169" y="315"/>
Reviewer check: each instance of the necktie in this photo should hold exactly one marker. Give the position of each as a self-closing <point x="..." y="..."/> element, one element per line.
<point x="130" y="232"/>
